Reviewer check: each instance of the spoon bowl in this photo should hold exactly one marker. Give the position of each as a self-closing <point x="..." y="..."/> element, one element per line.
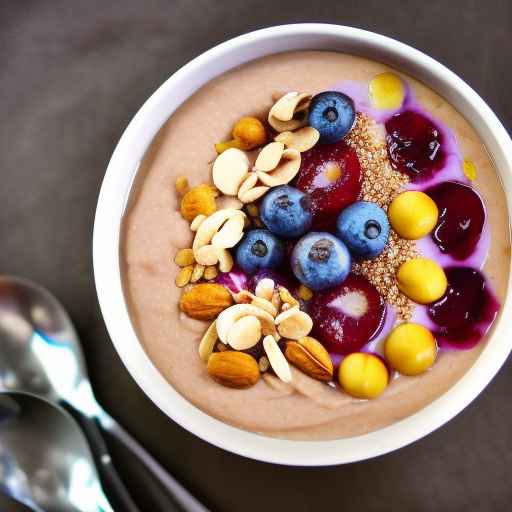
<point x="44" y="458"/>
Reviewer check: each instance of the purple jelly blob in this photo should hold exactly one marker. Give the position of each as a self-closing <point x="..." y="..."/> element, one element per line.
<point x="235" y="280"/>
<point x="415" y="145"/>
<point x="466" y="311"/>
<point x="461" y="218"/>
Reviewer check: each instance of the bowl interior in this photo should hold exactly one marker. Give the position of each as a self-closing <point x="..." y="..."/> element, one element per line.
<point x="115" y="192"/>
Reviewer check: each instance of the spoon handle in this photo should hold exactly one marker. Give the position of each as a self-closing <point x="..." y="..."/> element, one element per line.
<point x="107" y="470"/>
<point x="183" y="497"/>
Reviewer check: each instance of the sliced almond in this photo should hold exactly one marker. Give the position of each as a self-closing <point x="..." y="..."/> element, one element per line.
<point x="224" y="202"/>
<point x="197" y="273"/>
<point x="254" y="194"/>
<point x="301" y="140"/>
<point x="276" y="358"/>
<point x="211" y="225"/>
<point x="286" y="170"/>
<point x="265" y="288"/>
<point x="264" y="304"/>
<point x="229" y="171"/>
<point x="225" y="260"/>
<point x="229" y="316"/>
<point x="294" y="324"/>
<point x="269" y="157"/>
<point x="248" y="183"/>
<point x="207" y="255"/>
<point x="244" y="333"/>
<point x="230" y="233"/>
<point x="286" y="314"/>
<point x="194" y="225"/>
<point x="288" y="105"/>
<point x="207" y="343"/>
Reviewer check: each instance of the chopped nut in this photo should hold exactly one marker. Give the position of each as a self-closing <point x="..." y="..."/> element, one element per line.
<point x="276" y="299"/>
<point x="229" y="316"/>
<point x="197" y="273"/>
<point x="225" y="260"/>
<point x="305" y="293"/>
<point x="244" y="333"/>
<point x="230" y="233"/>
<point x="182" y="186"/>
<point x="198" y="200"/>
<point x="233" y="369"/>
<point x="285" y="114"/>
<point x="230" y="170"/>
<point x="269" y="157"/>
<point x="210" y="273"/>
<point x="286" y="170"/>
<point x="211" y="225"/>
<point x="229" y="202"/>
<point x="264" y="304"/>
<point x="183" y="276"/>
<point x="263" y="364"/>
<point x="205" y="301"/>
<point x="287" y="297"/>
<point x="220" y="347"/>
<point x="254" y="194"/>
<point x="243" y="297"/>
<point x="276" y="359"/>
<point x="294" y="324"/>
<point x="184" y="258"/>
<point x="248" y="183"/>
<point x="207" y="343"/>
<point x="198" y="220"/>
<point x="265" y="289"/>
<point x="285" y="307"/>
<point x="301" y="140"/>
<point x="207" y="255"/>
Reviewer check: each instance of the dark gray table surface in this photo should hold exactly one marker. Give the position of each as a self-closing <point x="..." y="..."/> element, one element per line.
<point x="72" y="74"/>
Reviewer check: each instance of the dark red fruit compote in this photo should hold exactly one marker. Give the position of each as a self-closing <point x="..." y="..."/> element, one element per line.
<point x="331" y="174"/>
<point x="461" y="218"/>
<point x="347" y="317"/>
<point x="466" y="311"/>
<point x="415" y="145"/>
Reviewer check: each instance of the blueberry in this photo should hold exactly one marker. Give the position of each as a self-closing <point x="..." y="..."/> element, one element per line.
<point x="320" y="261"/>
<point x="364" y="227"/>
<point x="286" y="211"/>
<point x="259" y="249"/>
<point x="333" y="114"/>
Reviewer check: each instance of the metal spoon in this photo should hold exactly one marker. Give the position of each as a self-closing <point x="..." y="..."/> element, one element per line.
<point x="41" y="354"/>
<point x="44" y="459"/>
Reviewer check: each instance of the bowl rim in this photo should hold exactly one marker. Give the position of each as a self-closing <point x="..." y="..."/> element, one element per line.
<point x="111" y="206"/>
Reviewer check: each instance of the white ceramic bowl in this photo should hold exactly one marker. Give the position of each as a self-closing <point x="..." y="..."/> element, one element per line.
<point x="116" y="188"/>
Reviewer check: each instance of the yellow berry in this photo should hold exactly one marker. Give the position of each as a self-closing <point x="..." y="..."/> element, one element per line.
<point x="363" y="375"/>
<point x="198" y="200"/>
<point x="410" y="349"/>
<point x="422" y="280"/>
<point x="387" y="91"/>
<point x="248" y="133"/>
<point x="413" y="215"/>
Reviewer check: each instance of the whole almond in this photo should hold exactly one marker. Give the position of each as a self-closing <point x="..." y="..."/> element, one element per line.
<point x="311" y="358"/>
<point x="205" y="301"/>
<point x="233" y="369"/>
